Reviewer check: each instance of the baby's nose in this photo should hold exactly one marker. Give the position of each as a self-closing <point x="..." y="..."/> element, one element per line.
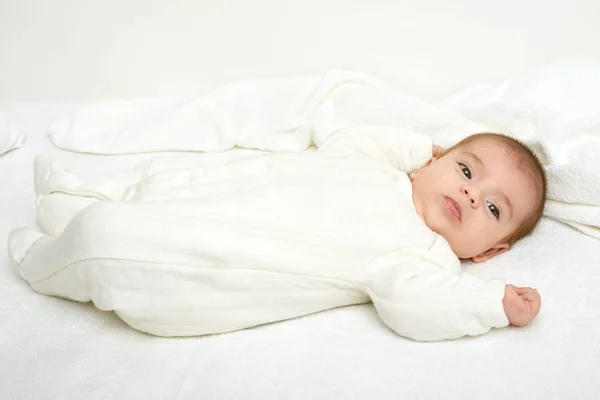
<point x="471" y="194"/>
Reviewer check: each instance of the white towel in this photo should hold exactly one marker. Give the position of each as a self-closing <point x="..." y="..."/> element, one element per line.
<point x="556" y="109"/>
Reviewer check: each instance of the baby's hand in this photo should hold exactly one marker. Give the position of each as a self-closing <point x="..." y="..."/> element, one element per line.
<point x="436" y="152"/>
<point x="521" y="304"/>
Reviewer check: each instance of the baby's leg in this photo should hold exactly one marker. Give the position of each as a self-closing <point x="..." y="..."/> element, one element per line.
<point x="163" y="281"/>
<point x="61" y="193"/>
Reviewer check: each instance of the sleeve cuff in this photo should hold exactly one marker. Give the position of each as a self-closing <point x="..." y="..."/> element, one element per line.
<point x="495" y="308"/>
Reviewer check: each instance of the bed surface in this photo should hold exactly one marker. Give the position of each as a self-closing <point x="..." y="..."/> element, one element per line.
<point x="57" y="349"/>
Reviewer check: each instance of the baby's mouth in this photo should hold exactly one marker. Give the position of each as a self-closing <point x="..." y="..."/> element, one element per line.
<point x="453" y="208"/>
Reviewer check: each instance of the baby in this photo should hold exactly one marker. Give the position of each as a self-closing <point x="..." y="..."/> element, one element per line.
<point x="494" y="188"/>
<point x="179" y="248"/>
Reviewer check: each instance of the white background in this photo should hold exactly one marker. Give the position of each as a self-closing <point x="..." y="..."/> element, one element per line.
<point x="88" y="50"/>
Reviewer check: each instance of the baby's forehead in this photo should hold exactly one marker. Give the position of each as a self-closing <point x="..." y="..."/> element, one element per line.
<point x="484" y="142"/>
<point x="492" y="146"/>
<point x="500" y="149"/>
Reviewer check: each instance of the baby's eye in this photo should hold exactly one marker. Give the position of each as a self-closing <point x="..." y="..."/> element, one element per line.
<point x="495" y="211"/>
<point x="465" y="170"/>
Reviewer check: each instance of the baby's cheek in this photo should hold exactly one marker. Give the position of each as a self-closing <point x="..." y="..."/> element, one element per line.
<point x="471" y="241"/>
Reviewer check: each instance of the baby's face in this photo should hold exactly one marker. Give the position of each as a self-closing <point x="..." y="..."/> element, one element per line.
<point x="475" y="196"/>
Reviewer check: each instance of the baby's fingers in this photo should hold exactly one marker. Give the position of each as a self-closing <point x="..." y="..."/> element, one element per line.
<point x="533" y="299"/>
<point x="536" y="303"/>
<point x="527" y="292"/>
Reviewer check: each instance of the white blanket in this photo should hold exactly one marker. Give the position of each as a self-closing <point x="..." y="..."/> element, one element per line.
<point x="556" y="110"/>
<point x="345" y="353"/>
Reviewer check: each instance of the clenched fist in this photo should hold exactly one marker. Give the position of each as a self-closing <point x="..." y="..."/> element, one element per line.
<point x="521" y="304"/>
<point x="437" y="151"/>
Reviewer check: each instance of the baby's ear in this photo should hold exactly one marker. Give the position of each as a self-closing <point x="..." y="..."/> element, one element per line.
<point x="492" y="252"/>
<point x="415" y="174"/>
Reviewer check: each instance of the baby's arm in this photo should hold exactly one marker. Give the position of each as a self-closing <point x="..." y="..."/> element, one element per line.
<point x="402" y="149"/>
<point x="419" y="300"/>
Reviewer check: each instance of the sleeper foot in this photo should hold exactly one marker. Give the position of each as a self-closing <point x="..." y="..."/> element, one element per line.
<point x="20" y="242"/>
<point x="49" y="176"/>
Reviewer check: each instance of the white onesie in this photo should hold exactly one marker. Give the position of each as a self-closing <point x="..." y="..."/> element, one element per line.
<point x="179" y="248"/>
